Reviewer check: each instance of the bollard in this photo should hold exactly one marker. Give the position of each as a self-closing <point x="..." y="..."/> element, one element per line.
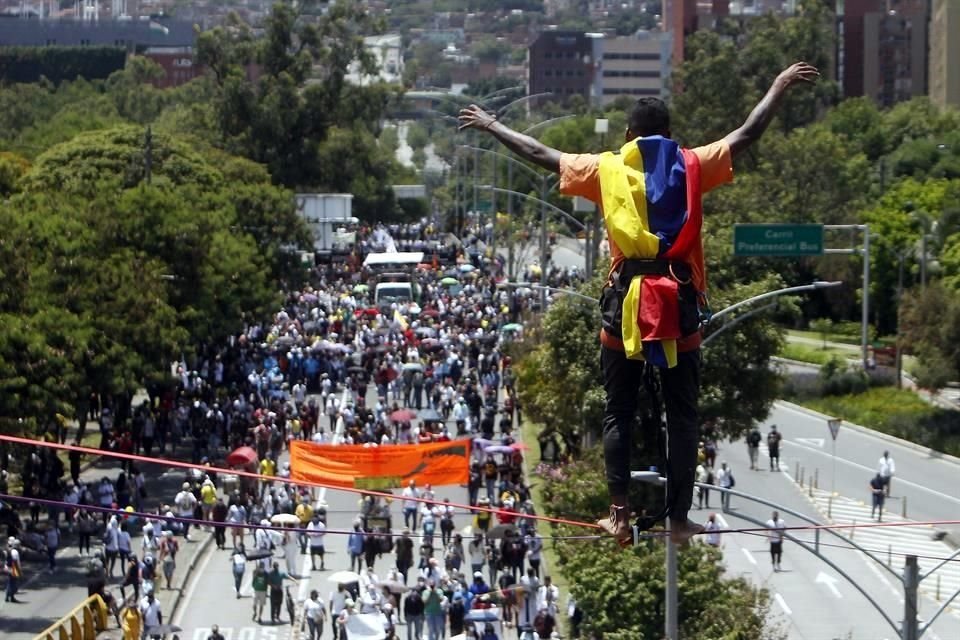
<point x="853" y="528"/>
<point x="810" y="489"/>
<point x="797" y="472"/>
<point x="903" y="511"/>
<point x="889" y="555"/>
<point x="816" y="478"/>
<point x="830" y="507"/>
<point x="938" y="587"/>
<point x="801" y="477"/>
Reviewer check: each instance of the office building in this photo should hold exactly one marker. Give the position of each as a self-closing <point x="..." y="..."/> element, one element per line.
<point x="944" y="72"/>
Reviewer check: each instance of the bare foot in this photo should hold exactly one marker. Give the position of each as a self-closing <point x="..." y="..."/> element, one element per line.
<point x="682" y="531"/>
<point x="616" y="524"/>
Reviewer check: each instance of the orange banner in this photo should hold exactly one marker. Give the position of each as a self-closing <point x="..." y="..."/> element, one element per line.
<point x="378" y="468"/>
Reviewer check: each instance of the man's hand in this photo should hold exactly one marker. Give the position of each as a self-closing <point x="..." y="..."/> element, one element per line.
<point x="475" y="117"/>
<point x="797" y="73"/>
<point x="756" y="123"/>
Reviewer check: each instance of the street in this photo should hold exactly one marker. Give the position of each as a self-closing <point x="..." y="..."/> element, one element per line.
<point x="810" y="599"/>
<point x="210" y="599"/>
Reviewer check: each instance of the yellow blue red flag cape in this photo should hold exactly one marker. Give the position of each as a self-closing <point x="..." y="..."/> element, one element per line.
<point x="651" y="205"/>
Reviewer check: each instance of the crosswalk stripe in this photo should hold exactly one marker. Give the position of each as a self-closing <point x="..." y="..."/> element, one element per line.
<point x="900" y="541"/>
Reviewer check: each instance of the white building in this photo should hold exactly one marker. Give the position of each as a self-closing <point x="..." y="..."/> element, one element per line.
<point x="387" y="50"/>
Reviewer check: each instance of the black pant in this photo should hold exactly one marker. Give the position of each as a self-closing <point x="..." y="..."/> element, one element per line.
<point x="776" y="552"/>
<point x="681" y="386"/>
<point x="276" y="603"/>
<point x="220" y="536"/>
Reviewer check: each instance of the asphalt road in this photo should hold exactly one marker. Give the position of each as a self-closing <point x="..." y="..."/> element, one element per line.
<point x="811" y="599"/>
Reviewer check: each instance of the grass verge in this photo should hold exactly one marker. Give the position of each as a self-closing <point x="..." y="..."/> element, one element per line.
<point x="813" y="355"/>
<point x="897" y="412"/>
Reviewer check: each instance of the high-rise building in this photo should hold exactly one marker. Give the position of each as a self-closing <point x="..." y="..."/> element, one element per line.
<point x="599" y="68"/>
<point x="882" y="49"/>
<point x="944" y="74"/>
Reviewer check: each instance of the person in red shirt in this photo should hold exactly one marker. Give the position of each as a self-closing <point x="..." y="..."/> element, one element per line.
<point x="655" y="243"/>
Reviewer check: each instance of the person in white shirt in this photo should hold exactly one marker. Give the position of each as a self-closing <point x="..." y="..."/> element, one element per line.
<point x="314" y="613"/>
<point x="410" y="506"/>
<point x="712" y="529"/>
<point x="534" y="544"/>
<point x="886" y="468"/>
<point x="548" y="597"/>
<point x="338" y="602"/>
<point x="151" y="613"/>
<point x="776" y="525"/>
<point x="725" y="481"/>
<point x="316" y="530"/>
<point x="476" y="553"/>
<point x="186" y="502"/>
<point x="238" y="562"/>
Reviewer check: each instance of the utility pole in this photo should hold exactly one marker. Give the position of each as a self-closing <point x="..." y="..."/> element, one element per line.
<point x="671" y="626"/>
<point x="543" y="243"/>
<point x="911" y="579"/>
<point x="148" y="155"/>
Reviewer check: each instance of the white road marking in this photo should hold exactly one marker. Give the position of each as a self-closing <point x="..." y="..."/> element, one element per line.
<point x="749" y="555"/>
<point x="783" y="604"/>
<point x="830" y="582"/>
<point x="814" y="442"/>
<point x="188" y="595"/>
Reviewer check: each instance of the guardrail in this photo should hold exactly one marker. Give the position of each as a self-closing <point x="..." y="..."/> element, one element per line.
<point x="83" y="623"/>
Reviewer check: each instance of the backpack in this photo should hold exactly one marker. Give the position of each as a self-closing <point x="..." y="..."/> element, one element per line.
<point x="733" y="481"/>
<point x="755" y="438"/>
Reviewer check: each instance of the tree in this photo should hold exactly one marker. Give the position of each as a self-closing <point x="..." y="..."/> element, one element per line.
<point x="294" y="122"/>
<point x="603" y="580"/>
<point x="930" y="328"/>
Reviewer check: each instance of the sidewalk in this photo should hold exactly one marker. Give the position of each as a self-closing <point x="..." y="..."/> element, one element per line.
<point x="46" y="597"/>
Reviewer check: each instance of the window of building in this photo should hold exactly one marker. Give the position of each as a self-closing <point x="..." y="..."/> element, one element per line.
<point x="631" y="56"/>
<point x="548" y="73"/>
<point x="84" y="42"/>
<point x="548" y="55"/>
<point x="617" y="73"/>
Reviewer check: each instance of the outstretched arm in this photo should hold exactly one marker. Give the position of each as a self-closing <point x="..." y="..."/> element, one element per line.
<point x="523" y="145"/>
<point x="756" y="123"/>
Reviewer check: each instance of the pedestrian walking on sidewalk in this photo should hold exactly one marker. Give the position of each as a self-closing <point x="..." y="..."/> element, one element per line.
<point x="773" y="447"/>
<point x="275" y="580"/>
<point x="168" y="556"/>
<point x="753" y="447"/>
<point x="238" y="560"/>
<point x="52" y="540"/>
<point x="13" y="569"/>
<point x="776" y="527"/>
<point x="885" y="469"/>
<point x="877" y="485"/>
<point x="259" y="592"/>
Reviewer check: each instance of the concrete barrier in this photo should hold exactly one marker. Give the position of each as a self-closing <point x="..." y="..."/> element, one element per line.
<point x="83" y="623"/>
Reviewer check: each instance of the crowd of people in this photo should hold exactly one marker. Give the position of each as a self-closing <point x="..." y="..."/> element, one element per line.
<point x="331" y="367"/>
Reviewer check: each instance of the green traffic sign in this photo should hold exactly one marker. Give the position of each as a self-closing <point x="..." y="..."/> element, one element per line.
<point x="777" y="239"/>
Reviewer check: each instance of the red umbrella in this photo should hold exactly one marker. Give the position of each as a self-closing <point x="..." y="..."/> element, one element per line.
<point x="241" y="456"/>
<point x="403" y="415"/>
<point x="429" y="313"/>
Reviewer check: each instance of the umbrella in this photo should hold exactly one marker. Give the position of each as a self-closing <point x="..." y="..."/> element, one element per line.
<point x="500" y="531"/>
<point x="394" y="587"/>
<point x="361" y="288"/>
<point x="513" y="326"/>
<point x="241" y="456"/>
<point x="343" y="577"/>
<point x="466" y="268"/>
<point x="431" y="345"/>
<point x="430" y="415"/>
<point x="449" y="281"/>
<point x="403" y="415"/>
<point x="258" y="554"/>
<point x="498" y="448"/>
<point x="413" y="366"/>
<point x="163" y="629"/>
<point x="430" y="313"/>
<point x="428" y="332"/>
<point x="284" y="518"/>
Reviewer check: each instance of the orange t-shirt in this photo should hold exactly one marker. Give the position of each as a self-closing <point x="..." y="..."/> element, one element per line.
<point x="580" y="176"/>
